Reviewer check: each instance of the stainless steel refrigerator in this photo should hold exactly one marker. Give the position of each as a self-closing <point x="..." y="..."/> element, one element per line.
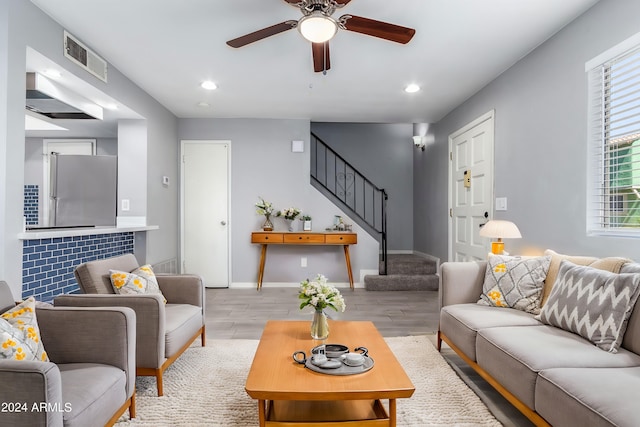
<point x="82" y="190"/>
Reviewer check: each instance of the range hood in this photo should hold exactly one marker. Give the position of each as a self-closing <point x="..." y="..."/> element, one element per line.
<point x="57" y="102"/>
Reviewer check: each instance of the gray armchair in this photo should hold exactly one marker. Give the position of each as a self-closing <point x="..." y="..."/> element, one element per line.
<point x="164" y="331"/>
<point x="90" y="378"/>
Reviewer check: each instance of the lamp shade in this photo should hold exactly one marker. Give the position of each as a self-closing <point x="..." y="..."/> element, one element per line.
<point x="317" y="27"/>
<point x="500" y="229"/>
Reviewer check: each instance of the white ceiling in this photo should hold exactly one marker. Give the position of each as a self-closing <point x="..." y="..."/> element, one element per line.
<point x="168" y="47"/>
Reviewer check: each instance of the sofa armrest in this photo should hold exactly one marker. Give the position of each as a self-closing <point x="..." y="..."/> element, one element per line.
<point x="182" y="288"/>
<point x="461" y="282"/>
<point x="25" y="384"/>
<point x="150" y="321"/>
<point x="104" y="335"/>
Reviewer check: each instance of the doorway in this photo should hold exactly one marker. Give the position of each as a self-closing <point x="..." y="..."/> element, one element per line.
<point x="470" y="188"/>
<point x="205" y="207"/>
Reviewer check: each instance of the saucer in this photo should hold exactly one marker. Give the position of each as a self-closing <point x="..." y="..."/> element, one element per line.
<point x="353" y="364"/>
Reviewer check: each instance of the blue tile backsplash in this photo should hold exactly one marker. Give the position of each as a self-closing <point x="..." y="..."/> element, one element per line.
<point x="48" y="264"/>
<point x="31" y="197"/>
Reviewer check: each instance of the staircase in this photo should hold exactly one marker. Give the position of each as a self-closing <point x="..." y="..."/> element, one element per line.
<point x="405" y="272"/>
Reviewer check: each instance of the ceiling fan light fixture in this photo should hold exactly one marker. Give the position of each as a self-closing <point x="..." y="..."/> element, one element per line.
<point x="317" y="27"/>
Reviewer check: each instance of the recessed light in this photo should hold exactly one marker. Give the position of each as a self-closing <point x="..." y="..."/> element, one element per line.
<point x="412" y="88"/>
<point x="204" y="104"/>
<point x="209" y="85"/>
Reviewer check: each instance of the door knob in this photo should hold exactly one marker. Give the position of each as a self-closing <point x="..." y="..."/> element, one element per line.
<point x="223" y="222"/>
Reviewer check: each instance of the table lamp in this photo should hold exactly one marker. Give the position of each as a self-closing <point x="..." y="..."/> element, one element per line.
<point x="499" y="229"/>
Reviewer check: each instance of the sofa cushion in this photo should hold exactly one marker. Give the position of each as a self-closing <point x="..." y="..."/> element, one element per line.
<point x="593" y="303"/>
<point x="93" y="277"/>
<point x="514" y="355"/>
<point x="461" y="322"/>
<point x="631" y="340"/>
<point x="91" y="402"/>
<point x="612" y="264"/>
<point x="182" y="322"/>
<point x="588" y="396"/>
<point x="20" y="335"/>
<point x="514" y="282"/>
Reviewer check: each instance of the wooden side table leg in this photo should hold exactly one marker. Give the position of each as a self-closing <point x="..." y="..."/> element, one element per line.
<point x="392" y="412"/>
<point x="348" y="261"/>
<point x="263" y="257"/>
<point x="261" y="412"/>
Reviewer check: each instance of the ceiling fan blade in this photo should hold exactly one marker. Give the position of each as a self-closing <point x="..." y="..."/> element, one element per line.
<point x="321" y="61"/>
<point x="262" y="34"/>
<point x="383" y="30"/>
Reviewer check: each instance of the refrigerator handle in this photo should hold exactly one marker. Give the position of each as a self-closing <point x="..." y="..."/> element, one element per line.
<point x="53" y="187"/>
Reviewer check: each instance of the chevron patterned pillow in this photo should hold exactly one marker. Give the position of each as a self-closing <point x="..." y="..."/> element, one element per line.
<point x="592" y="303"/>
<point x="514" y="282"/>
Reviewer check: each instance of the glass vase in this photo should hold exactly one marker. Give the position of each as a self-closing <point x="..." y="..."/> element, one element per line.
<point x="268" y="225"/>
<point x="319" y="325"/>
<point x="290" y="225"/>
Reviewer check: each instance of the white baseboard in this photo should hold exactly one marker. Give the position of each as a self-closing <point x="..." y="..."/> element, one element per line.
<point x="253" y="285"/>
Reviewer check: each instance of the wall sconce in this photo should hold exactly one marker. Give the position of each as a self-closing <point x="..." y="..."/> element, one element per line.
<point x="422" y="135"/>
<point x="499" y="229"/>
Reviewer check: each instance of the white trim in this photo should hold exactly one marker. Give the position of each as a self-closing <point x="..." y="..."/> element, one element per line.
<point x="619" y="49"/>
<point x="131" y="221"/>
<point x="253" y="285"/>
<point x="366" y="273"/>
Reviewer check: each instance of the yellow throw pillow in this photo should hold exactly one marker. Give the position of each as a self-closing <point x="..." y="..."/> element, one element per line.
<point x="142" y="280"/>
<point x="20" y="335"/>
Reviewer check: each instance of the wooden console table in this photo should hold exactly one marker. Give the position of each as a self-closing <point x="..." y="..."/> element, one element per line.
<point x="330" y="238"/>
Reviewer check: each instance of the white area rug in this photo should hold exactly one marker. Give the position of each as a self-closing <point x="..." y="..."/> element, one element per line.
<point x="205" y="387"/>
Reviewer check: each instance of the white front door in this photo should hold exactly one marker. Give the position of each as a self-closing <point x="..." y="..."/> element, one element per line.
<point x="205" y="211"/>
<point x="471" y="188"/>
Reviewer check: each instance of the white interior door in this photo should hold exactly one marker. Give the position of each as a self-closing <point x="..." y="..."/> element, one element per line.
<point x="471" y="188"/>
<point x="205" y="211"/>
<point x="60" y="146"/>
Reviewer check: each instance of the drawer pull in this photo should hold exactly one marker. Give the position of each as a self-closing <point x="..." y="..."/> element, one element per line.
<point x="266" y="238"/>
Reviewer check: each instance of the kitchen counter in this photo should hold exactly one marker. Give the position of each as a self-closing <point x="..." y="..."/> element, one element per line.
<point x="88" y="231"/>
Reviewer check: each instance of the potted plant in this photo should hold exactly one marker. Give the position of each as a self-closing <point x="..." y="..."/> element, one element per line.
<point x="265" y="208"/>
<point x="306" y="222"/>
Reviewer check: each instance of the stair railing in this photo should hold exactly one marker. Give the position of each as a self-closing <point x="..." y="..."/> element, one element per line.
<point x="355" y="192"/>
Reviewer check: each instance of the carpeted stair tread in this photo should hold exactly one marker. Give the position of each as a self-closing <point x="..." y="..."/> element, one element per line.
<point x="401" y="282"/>
<point x="407" y="264"/>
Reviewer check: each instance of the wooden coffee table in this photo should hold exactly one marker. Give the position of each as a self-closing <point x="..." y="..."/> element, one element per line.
<point x="290" y="394"/>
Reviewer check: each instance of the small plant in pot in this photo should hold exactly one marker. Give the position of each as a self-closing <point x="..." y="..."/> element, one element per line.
<point x="306" y="222"/>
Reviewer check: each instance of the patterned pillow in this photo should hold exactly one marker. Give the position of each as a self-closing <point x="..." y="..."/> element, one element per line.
<point x="514" y="282"/>
<point x="142" y="280"/>
<point x="20" y="335"/>
<point x="592" y="303"/>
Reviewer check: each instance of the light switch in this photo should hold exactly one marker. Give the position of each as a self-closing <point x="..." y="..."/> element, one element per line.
<point x="125" y="205"/>
<point x="501" y="203"/>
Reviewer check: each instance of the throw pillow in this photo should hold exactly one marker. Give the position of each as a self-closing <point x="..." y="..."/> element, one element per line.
<point x="20" y="335"/>
<point x="514" y="282"/>
<point x="612" y="264"/>
<point x="592" y="303"/>
<point x="142" y="280"/>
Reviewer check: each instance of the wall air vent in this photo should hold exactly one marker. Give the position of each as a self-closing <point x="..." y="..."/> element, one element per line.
<point x="77" y="52"/>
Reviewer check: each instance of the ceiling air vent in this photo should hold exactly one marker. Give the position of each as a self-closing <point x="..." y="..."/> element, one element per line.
<point x="77" y="52"/>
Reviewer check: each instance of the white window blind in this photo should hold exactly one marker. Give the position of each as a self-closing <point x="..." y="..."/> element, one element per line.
<point x="614" y="144"/>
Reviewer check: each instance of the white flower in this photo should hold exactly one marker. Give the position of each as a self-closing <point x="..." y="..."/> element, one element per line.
<point x="319" y="294"/>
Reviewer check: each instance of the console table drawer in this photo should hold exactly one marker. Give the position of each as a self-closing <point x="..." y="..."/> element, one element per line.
<point x="266" y="237"/>
<point x="303" y="238"/>
<point x="342" y="239"/>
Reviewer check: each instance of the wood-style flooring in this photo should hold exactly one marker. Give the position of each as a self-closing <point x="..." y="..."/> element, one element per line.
<point x="242" y="314"/>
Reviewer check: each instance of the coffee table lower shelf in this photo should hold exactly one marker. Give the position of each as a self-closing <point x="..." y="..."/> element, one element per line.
<point x="320" y="413"/>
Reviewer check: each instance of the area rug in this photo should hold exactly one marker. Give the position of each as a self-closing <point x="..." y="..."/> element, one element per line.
<point x="205" y="387"/>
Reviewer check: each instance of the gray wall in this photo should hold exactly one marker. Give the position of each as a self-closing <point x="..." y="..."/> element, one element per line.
<point x="262" y="165"/>
<point x="383" y="153"/>
<point x="540" y="143"/>
<point x="25" y="25"/>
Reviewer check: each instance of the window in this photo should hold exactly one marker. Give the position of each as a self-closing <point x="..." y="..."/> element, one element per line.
<point x="614" y="141"/>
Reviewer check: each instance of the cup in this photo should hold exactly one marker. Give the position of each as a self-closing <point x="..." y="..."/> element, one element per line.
<point x="352" y="359"/>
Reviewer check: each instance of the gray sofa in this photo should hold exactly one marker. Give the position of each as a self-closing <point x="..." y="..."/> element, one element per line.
<point x="90" y="377"/>
<point x="165" y="331"/>
<point x="554" y="377"/>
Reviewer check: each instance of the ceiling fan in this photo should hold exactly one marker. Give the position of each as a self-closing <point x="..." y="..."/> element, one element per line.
<point x="318" y="26"/>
